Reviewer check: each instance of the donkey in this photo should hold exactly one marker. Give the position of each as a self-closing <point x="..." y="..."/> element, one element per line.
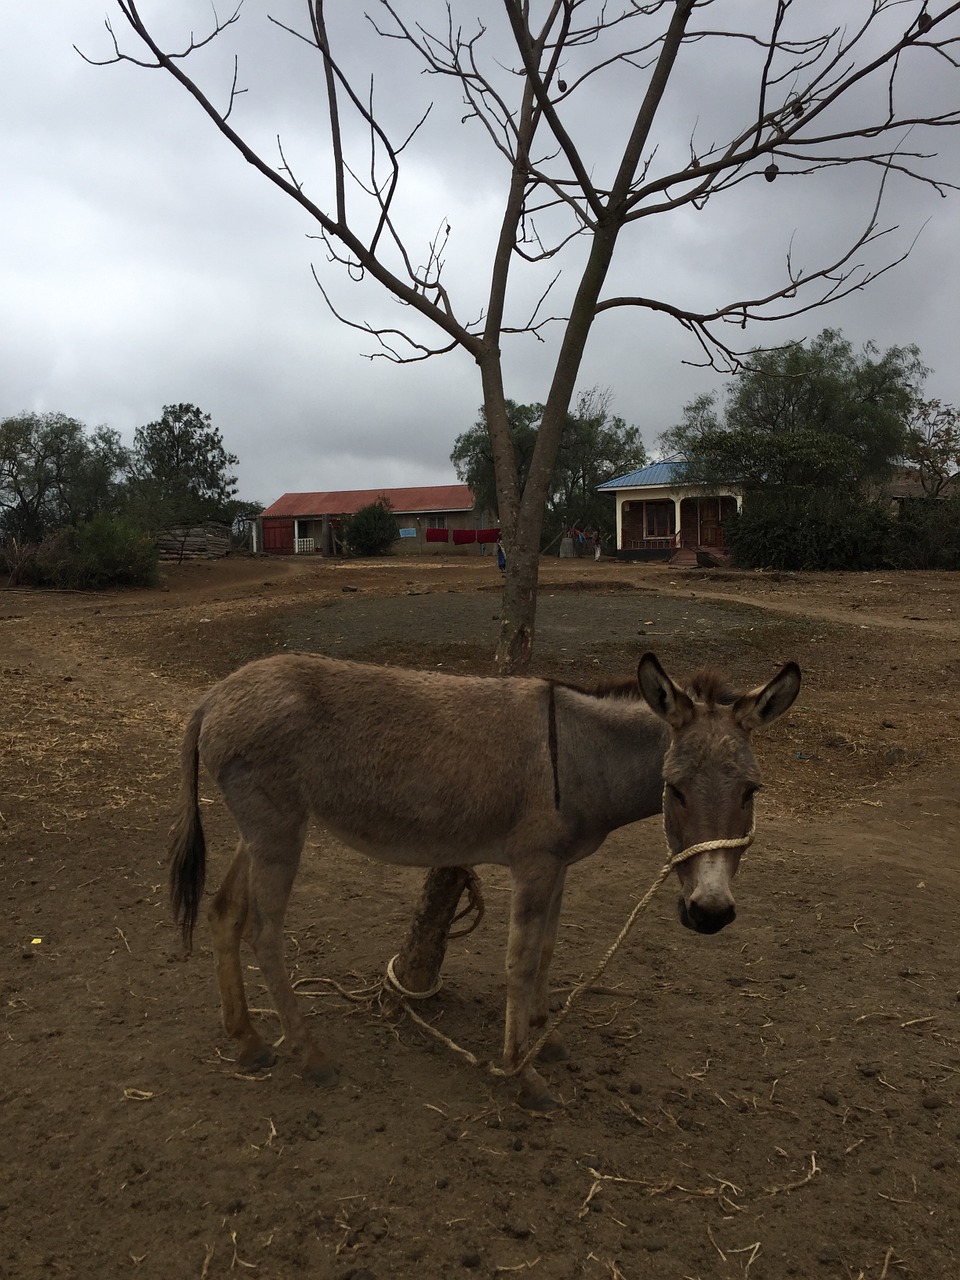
<point x="422" y="769"/>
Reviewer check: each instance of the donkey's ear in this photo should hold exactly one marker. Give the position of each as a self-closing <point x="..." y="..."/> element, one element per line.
<point x="663" y="697"/>
<point x="761" y="707"/>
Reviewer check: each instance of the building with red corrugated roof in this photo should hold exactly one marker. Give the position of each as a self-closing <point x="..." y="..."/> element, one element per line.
<point x="429" y="518"/>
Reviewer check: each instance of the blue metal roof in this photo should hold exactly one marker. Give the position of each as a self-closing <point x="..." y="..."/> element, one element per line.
<point x="672" y="471"/>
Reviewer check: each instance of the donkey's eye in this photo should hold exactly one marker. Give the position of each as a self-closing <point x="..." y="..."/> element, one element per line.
<point x="749" y="793"/>
<point x="677" y="795"/>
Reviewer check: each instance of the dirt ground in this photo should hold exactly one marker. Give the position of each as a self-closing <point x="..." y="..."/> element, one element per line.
<point x="779" y="1100"/>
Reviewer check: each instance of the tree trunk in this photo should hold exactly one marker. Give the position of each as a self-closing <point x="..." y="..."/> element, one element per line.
<point x="518" y="609"/>
<point x="521" y="514"/>
<point x="421" y="956"/>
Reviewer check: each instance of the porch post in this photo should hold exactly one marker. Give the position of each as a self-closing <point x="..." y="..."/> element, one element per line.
<point x="676" y="521"/>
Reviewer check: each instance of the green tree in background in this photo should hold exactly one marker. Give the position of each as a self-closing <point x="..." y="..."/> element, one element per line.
<point x="818" y="415"/>
<point x="53" y="473"/>
<point x="181" y="471"/>
<point x="96" y="484"/>
<point x="594" y="446"/>
<point x="472" y="455"/>
<point x="371" y="530"/>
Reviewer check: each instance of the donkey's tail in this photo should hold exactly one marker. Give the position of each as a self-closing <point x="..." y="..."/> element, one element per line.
<point x="188" y="850"/>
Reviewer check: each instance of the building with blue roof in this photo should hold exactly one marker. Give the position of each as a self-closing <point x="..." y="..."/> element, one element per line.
<point x="662" y="515"/>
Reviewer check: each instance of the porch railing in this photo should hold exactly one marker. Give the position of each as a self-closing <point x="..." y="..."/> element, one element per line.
<point x="668" y="543"/>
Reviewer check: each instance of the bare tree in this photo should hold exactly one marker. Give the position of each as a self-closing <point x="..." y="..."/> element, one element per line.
<point x="803" y="92"/>
<point x="933" y="446"/>
<point x="821" y="96"/>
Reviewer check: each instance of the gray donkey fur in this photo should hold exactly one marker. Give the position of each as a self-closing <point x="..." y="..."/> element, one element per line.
<point x="424" y="769"/>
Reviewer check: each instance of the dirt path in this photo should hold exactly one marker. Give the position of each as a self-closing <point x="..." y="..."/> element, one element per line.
<point x="780" y="1100"/>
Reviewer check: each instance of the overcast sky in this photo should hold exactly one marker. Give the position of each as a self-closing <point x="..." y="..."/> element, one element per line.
<point x="143" y="262"/>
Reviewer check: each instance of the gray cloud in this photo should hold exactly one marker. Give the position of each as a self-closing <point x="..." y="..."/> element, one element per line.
<point x="144" y="262"/>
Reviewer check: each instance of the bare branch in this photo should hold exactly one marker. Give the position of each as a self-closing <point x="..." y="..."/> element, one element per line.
<point x="383" y="335"/>
<point x="839" y="279"/>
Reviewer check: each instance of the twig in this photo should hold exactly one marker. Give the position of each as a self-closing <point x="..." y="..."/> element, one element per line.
<point x="802" y="1182"/>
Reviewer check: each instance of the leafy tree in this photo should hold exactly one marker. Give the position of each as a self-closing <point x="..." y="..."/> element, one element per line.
<point x="594" y="447"/>
<point x="52" y="474"/>
<point x="802" y="94"/>
<point x="181" y="472"/>
<point x="472" y="455"/>
<point x="96" y="484"/>
<point x="371" y="530"/>
<point x="933" y="445"/>
<point x="242" y="515"/>
<point x="821" y="416"/>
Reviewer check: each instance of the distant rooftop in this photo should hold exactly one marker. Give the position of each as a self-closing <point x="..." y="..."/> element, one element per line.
<point x="670" y="471"/>
<point x="422" y="499"/>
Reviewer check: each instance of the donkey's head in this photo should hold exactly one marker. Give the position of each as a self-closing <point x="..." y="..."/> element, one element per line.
<point x="710" y="778"/>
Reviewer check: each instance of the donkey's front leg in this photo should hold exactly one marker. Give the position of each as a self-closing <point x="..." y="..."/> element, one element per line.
<point x="537" y="880"/>
<point x="553" y="1048"/>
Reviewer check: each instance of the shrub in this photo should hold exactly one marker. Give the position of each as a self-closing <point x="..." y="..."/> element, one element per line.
<point x="16" y="560"/>
<point x="927" y="534"/>
<point x="102" y="552"/>
<point x="812" y="529"/>
<point x="371" y="530"/>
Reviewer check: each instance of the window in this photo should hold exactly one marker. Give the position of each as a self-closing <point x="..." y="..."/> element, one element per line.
<point x="659" y="519"/>
<point x="436" y="522"/>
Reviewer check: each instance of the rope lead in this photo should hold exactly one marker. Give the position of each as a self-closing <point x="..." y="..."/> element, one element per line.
<point x="705" y="846"/>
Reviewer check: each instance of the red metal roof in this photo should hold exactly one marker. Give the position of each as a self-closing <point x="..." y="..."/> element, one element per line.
<point x="344" y="502"/>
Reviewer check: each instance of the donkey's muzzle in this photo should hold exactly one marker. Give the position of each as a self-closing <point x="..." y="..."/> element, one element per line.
<point x="701" y="921"/>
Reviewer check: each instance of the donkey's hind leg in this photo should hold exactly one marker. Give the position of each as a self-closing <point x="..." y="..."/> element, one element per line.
<point x="274" y="860"/>
<point x="227" y="917"/>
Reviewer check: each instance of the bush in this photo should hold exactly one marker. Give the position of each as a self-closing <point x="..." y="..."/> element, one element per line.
<point x="102" y="552"/>
<point x="371" y="530"/>
<point x="927" y="534"/>
<point x="16" y="560"/>
<point x="812" y="529"/>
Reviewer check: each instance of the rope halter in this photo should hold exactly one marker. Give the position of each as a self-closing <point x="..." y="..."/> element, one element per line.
<point x="707" y="846"/>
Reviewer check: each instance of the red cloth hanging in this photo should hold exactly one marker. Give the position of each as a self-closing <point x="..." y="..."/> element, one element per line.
<point x="488" y="535"/>
<point x="438" y="535"/>
<point x="461" y="536"/>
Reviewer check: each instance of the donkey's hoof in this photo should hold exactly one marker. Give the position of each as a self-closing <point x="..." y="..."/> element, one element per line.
<point x="553" y="1050"/>
<point x="538" y="1100"/>
<point x="325" y="1074"/>
<point x="256" y="1057"/>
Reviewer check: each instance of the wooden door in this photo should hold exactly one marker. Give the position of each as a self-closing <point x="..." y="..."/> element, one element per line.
<point x="278" y="537"/>
<point x="710" y="535"/>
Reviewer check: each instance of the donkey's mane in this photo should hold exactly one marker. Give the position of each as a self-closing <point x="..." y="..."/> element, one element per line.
<point x="710" y="687"/>
<point x="612" y="687"/>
